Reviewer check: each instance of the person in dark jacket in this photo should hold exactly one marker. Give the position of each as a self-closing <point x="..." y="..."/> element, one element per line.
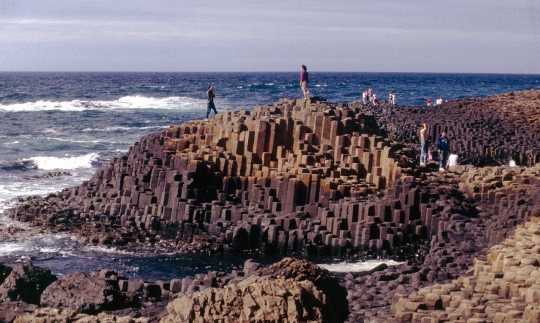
<point x="210" y="101"/>
<point x="443" y="144"/>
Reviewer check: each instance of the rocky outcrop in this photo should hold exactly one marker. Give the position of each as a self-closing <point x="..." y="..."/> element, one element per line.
<point x="291" y="290"/>
<point x="256" y="299"/>
<point x="25" y="283"/>
<point x="302" y="270"/>
<point x="85" y="293"/>
<point x="325" y="179"/>
<point x="271" y="180"/>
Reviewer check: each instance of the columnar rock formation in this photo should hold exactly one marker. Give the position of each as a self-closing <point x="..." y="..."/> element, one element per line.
<point x="505" y="287"/>
<point x="288" y="177"/>
<point x="323" y="179"/>
<point x="482" y="207"/>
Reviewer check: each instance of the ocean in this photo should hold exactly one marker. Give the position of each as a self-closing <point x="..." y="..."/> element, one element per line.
<point x="57" y="129"/>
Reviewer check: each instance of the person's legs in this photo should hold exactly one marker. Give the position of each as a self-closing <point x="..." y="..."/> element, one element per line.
<point x="305" y="90"/>
<point x="208" y="109"/>
<point x="443" y="159"/>
<point x="423" y="152"/>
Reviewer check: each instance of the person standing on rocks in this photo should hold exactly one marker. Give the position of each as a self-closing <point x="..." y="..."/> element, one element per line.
<point x="443" y="144"/>
<point x="424" y="144"/>
<point x="210" y="100"/>
<point x="304" y="81"/>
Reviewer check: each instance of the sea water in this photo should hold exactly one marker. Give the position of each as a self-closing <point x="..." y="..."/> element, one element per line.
<point x="73" y="123"/>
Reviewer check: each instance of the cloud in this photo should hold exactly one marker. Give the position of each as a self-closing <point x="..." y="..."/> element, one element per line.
<point x="387" y="35"/>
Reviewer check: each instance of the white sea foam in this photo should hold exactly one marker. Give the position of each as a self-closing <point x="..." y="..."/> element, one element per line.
<point x="8" y="248"/>
<point x="107" y="129"/>
<point x="48" y="249"/>
<point x="106" y="250"/>
<point x="59" y="163"/>
<point x="76" y="141"/>
<point x="120" y="128"/>
<point x="127" y="102"/>
<point x="348" y="267"/>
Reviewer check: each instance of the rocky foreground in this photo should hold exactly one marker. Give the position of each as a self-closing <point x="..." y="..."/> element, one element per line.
<point x="319" y="178"/>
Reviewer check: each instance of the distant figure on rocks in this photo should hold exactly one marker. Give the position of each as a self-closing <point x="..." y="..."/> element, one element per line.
<point x="304" y="81"/>
<point x="429" y="154"/>
<point x="452" y="159"/>
<point x="364" y="96"/>
<point x="443" y="144"/>
<point x="429" y="102"/>
<point x="391" y="98"/>
<point x="424" y="144"/>
<point x="210" y="99"/>
<point x="439" y="101"/>
<point x="375" y="100"/>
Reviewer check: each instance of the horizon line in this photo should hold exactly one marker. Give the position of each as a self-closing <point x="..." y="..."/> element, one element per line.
<point x="261" y="72"/>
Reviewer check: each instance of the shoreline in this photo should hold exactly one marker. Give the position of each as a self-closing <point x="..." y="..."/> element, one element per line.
<point x="439" y="218"/>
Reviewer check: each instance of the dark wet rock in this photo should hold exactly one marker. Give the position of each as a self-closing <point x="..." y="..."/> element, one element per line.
<point x="84" y="293"/>
<point x="26" y="283"/>
<point x="4" y="273"/>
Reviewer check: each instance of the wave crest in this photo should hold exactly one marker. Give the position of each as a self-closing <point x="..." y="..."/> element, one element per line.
<point x="127" y="102"/>
<point x="54" y="163"/>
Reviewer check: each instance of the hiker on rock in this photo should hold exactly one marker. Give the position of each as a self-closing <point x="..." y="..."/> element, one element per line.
<point x="424" y="144"/>
<point x="304" y="81"/>
<point x="443" y="144"/>
<point x="210" y="101"/>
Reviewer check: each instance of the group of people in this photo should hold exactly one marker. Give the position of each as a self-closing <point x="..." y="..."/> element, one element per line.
<point x="369" y="96"/>
<point x="447" y="158"/>
<point x="391" y="98"/>
<point x="439" y="101"/>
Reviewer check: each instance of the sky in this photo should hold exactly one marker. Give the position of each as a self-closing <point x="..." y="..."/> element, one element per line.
<point x="455" y="36"/>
